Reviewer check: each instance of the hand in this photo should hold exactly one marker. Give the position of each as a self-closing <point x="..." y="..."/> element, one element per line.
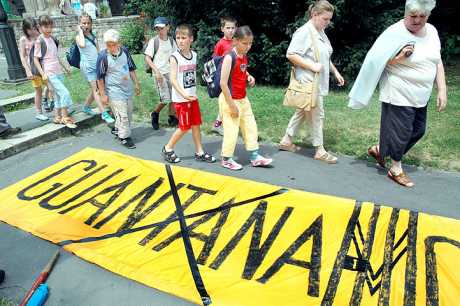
<point x="67" y="71"/>
<point x="234" y="113"/>
<point x="316" y="67"/>
<point x="404" y="53"/>
<point x="191" y="98"/>
<point x="105" y="99"/>
<point x="29" y="74"/>
<point x="251" y="80"/>
<point x="137" y="90"/>
<point x="159" y="78"/>
<point x="441" y="102"/>
<point x="339" y="78"/>
<point x="44" y="77"/>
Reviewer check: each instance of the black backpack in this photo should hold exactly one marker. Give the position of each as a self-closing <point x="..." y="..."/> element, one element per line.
<point x="73" y="54"/>
<point x="156" y="46"/>
<point x="212" y="71"/>
<point x="33" y="68"/>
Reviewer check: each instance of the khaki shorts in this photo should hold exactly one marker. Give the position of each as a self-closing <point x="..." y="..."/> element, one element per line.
<point x="37" y="81"/>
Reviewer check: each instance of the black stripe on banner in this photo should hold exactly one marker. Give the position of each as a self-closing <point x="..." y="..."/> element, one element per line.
<point x="205" y="298"/>
<point x="122" y="233"/>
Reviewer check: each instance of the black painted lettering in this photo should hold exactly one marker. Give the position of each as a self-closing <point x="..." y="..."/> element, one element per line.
<point x="199" y="191"/>
<point x="115" y="189"/>
<point x="22" y="194"/>
<point x="315" y="232"/>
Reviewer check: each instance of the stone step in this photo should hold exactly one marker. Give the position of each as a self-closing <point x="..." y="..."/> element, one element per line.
<point x="45" y="132"/>
<point x="24" y="99"/>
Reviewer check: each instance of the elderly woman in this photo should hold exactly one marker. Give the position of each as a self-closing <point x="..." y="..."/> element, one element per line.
<point x="301" y="53"/>
<point x="406" y="83"/>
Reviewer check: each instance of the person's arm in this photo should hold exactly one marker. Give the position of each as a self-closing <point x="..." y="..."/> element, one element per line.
<point x="251" y="80"/>
<point x="24" y="58"/>
<point x="402" y="55"/>
<point x="80" y="39"/>
<point x="133" y="76"/>
<point x="298" y="61"/>
<point x="441" y="102"/>
<point x="100" y="74"/>
<point x="224" y="76"/>
<point x="156" y="71"/>
<point x="173" y="74"/>
<point x="338" y="76"/>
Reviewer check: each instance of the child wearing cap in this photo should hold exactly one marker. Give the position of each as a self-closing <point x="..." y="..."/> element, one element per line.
<point x="116" y="73"/>
<point x="183" y="78"/>
<point x="157" y="54"/>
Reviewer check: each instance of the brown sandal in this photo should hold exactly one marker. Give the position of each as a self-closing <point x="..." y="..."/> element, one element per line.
<point x="375" y="153"/>
<point x="401" y="179"/>
<point x="328" y="158"/>
<point x="290" y="148"/>
<point x="57" y="120"/>
<point x="69" y="122"/>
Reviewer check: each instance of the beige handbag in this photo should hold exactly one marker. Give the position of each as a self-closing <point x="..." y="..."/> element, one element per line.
<point x="303" y="95"/>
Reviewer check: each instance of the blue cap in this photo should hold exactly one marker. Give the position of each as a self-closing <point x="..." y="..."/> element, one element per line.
<point x="160" y="22"/>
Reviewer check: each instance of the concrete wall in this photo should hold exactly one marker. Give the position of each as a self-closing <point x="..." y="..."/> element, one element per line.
<point x="65" y="27"/>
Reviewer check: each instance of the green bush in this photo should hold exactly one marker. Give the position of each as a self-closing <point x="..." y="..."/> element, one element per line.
<point x="355" y="26"/>
<point x="132" y="37"/>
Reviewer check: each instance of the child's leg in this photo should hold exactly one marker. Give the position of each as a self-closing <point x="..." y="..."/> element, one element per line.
<point x="231" y="128"/>
<point x="248" y="125"/>
<point x="89" y="99"/>
<point x="62" y="94"/>
<point x="159" y="107"/>
<point x="38" y="99"/>
<point x="196" y="135"/>
<point x="176" y="136"/>
<point x="122" y="122"/>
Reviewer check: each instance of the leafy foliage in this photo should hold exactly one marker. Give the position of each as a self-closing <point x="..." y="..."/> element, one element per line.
<point x="356" y="25"/>
<point x="132" y="36"/>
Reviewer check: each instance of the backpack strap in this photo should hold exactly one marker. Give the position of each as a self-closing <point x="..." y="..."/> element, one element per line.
<point x="156" y="45"/>
<point x="131" y="64"/>
<point x="102" y="65"/>
<point x="43" y="47"/>
<point x="92" y="39"/>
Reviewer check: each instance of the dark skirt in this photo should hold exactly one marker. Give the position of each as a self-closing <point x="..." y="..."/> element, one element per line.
<point x="400" y="129"/>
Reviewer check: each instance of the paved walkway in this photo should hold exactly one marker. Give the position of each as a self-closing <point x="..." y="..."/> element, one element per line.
<point x="76" y="282"/>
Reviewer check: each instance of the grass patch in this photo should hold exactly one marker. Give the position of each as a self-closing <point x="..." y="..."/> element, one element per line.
<point x="346" y="131"/>
<point x="6" y="302"/>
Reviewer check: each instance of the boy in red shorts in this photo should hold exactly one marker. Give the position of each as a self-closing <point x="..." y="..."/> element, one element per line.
<point x="183" y="80"/>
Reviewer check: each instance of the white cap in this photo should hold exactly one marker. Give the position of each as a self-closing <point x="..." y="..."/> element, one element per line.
<point x="111" y="36"/>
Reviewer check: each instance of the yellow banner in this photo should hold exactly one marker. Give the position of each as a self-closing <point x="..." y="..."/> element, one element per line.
<point x="252" y="243"/>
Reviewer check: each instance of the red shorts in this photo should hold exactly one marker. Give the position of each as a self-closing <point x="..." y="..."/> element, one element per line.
<point x="188" y="114"/>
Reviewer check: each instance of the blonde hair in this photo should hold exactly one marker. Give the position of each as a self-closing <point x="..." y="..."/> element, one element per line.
<point x="185" y="29"/>
<point x="320" y="7"/>
<point x="422" y="6"/>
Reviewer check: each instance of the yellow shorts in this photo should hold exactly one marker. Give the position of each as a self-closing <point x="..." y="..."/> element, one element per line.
<point x="37" y="81"/>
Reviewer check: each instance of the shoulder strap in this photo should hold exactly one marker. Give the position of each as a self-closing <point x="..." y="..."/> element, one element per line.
<point x="314" y="44"/>
<point x="156" y="45"/>
<point x="171" y="40"/>
<point x="43" y="47"/>
<point x="92" y="39"/>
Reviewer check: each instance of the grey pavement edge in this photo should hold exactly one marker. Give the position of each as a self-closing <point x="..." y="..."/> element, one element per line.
<point x="77" y="282"/>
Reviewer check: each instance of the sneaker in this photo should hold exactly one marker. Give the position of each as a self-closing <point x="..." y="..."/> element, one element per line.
<point x="46" y="105"/>
<point x="87" y="110"/>
<point x="51" y="105"/>
<point x="114" y="131"/>
<point x="128" y="142"/>
<point x="261" y="161"/>
<point x="10" y="132"/>
<point x="205" y="157"/>
<point x="218" y="128"/>
<point x="41" y="117"/>
<point x="154" y="116"/>
<point x="107" y="118"/>
<point x="172" y="121"/>
<point x="231" y="164"/>
<point x="170" y="156"/>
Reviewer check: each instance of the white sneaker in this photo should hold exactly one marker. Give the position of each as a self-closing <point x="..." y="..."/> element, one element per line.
<point x="261" y="161"/>
<point x="231" y="164"/>
<point x="41" y="117"/>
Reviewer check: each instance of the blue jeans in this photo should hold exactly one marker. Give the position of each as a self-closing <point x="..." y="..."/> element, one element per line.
<point x="62" y="96"/>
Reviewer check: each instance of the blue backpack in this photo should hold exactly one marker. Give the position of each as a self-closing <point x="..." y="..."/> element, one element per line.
<point x="73" y="54"/>
<point x="212" y="71"/>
